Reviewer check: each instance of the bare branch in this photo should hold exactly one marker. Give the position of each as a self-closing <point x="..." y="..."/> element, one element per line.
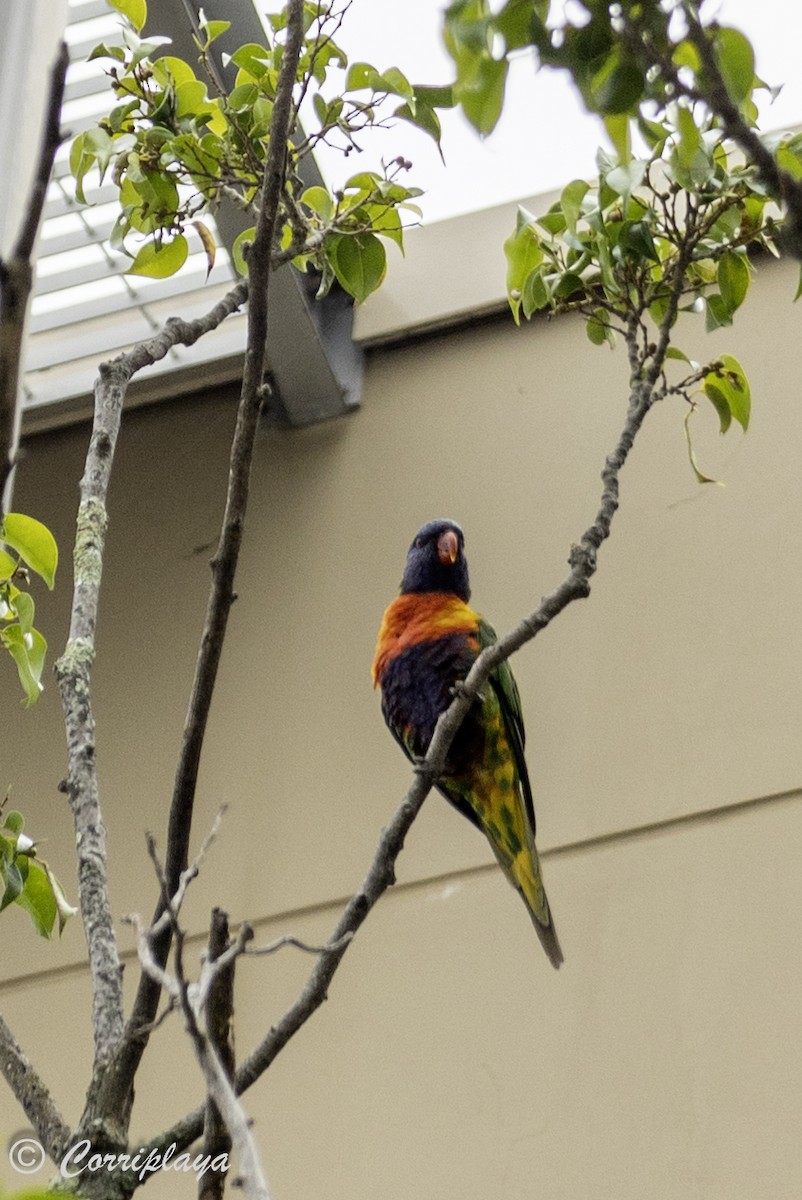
<point x="193" y="1002"/>
<point x="16" y="276"/>
<point x="73" y="672"/>
<point x="296" y="943"/>
<point x="219" y="1015"/>
<point x="34" y="1097"/>
<point x="51" y="140"/>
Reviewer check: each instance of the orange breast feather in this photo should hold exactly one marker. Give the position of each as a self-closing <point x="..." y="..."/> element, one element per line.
<point x="419" y="617"/>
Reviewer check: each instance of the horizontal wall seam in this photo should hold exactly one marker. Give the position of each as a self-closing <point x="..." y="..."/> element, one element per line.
<point x="581" y="846"/>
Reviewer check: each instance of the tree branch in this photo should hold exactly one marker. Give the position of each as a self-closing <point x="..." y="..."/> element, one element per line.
<point x="33" y="1095"/>
<point x="226" y="556"/>
<point x="195" y="1000"/>
<point x="219" y="1013"/>
<point x="73" y="672"/>
<point x="16" y="276"/>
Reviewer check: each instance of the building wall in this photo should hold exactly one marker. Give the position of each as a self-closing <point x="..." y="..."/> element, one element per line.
<point x="450" y="1061"/>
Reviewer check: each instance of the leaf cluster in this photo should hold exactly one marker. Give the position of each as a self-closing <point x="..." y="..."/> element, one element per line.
<point x="623" y="55"/>
<point x="29" y="546"/>
<point x="649" y="238"/>
<point x="178" y="142"/>
<point x="28" y="881"/>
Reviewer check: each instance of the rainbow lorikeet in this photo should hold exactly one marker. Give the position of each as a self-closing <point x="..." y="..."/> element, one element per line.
<point x="428" y="641"/>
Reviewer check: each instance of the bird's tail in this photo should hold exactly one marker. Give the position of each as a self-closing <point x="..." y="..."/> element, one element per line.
<point x="528" y="879"/>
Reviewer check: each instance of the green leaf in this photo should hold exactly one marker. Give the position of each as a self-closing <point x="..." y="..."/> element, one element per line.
<point x="514" y="23"/>
<point x="617" y="126"/>
<point x="14" y="821"/>
<point x="636" y="242"/>
<point x="536" y="294"/>
<point x="655" y="133"/>
<point x="690" y="138"/>
<point x="104" y="51"/>
<point x="700" y="476"/>
<point x="253" y="59"/>
<point x="93" y="147"/>
<point x="736" y="61"/>
<point x="733" y="279"/>
<point x="397" y="83"/>
<point x="34" y="543"/>
<point x="214" y="29"/>
<point x="686" y="55"/>
<point x="28" y="651"/>
<point x="169" y="68"/>
<point x="159" y="261"/>
<point x="718" y="314"/>
<point x="571" y="201"/>
<point x="553" y="221"/>
<point x="435" y="96"/>
<point x="64" y="910"/>
<point x="319" y="201"/>
<point x="524" y="254"/>
<point x="625" y="179"/>
<point x="136" y="11"/>
<point x="727" y="388"/>
<point x="569" y="284"/>
<point x="482" y="97"/>
<point x="238" y="249"/>
<point x="190" y="97"/>
<point x="24" y="608"/>
<point x="598" y="329"/>
<point x="618" y="85"/>
<point x="14" y="884"/>
<point x="386" y="222"/>
<point x="361" y="76"/>
<point x="422" y="116"/>
<point x="38" y="899"/>
<point x="789" y="161"/>
<point x="675" y="352"/>
<point x="8" y="566"/>
<point x="359" y="263"/>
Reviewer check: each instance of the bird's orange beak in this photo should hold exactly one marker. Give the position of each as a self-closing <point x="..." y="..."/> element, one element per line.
<point x="447" y="547"/>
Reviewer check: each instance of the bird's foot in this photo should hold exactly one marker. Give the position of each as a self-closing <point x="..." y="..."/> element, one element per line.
<point x="461" y="688"/>
<point x="421" y="766"/>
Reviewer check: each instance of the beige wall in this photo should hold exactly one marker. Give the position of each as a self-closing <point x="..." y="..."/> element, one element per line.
<point x="664" y="1060"/>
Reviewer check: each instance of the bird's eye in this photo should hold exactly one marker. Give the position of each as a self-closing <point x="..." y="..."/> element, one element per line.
<point x="418" y="543"/>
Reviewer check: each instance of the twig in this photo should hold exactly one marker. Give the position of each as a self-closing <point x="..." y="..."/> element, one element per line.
<point x="16" y="276"/>
<point x="221" y="1094"/>
<point x="288" y="940"/>
<point x="187" y="876"/>
<point x="34" y="1097"/>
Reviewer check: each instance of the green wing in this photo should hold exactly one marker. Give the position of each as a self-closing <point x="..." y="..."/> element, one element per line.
<point x="503" y="683"/>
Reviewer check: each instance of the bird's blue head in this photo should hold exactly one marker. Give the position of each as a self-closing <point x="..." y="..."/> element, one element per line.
<point x="436" y="561"/>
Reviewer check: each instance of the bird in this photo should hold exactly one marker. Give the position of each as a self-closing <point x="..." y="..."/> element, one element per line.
<point x="428" y="641"/>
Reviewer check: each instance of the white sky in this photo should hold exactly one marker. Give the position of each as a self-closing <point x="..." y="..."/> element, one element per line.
<point x="545" y="137"/>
